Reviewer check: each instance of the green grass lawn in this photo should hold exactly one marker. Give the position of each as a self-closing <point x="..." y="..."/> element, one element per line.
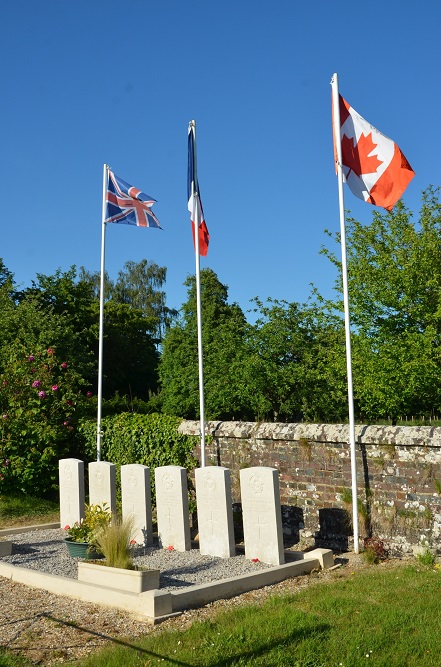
<point x="24" y="511"/>
<point x="383" y="616"/>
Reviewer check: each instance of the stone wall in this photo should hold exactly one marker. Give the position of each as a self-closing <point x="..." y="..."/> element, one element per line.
<point x="398" y="478"/>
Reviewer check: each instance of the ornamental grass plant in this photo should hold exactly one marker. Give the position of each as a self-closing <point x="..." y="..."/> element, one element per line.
<point x="114" y="541"/>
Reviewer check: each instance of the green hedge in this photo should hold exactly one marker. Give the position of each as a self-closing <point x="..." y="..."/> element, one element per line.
<point x="152" y="440"/>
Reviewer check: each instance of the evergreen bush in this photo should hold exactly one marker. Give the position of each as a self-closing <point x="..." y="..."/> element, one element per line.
<point x="152" y="440"/>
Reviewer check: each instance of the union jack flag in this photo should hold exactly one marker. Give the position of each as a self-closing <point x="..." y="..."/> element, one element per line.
<point x="127" y="205"/>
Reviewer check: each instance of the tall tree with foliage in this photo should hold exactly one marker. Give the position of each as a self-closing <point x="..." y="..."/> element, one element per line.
<point x="130" y="354"/>
<point x="223" y="334"/>
<point x="294" y="364"/>
<point x="141" y="286"/>
<point x="394" y="281"/>
<point x="130" y="360"/>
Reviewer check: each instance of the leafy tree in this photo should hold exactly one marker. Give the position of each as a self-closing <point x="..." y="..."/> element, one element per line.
<point x="394" y="281"/>
<point x="5" y="274"/>
<point x="140" y="285"/>
<point x="93" y="278"/>
<point x="64" y="295"/>
<point x="223" y="333"/>
<point x="28" y="323"/>
<point x="130" y="357"/>
<point x="294" y="368"/>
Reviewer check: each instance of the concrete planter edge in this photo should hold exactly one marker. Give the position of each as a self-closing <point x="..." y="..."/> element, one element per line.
<point x="130" y="581"/>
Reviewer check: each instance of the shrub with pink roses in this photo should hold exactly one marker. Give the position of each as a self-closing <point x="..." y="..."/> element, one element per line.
<point x="41" y="399"/>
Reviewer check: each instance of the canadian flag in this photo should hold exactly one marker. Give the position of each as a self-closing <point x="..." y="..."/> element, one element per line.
<point x="373" y="166"/>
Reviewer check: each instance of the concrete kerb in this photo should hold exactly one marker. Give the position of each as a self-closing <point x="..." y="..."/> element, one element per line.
<point x="28" y="529"/>
<point x="156" y="605"/>
<point x="6" y="545"/>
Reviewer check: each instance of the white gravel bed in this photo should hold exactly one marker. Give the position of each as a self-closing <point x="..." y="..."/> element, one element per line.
<point x="45" y="550"/>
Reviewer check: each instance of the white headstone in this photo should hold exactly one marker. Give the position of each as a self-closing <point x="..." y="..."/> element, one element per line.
<point x="172" y="507"/>
<point x="71" y="478"/>
<point x="215" y="512"/>
<point x="262" y="516"/>
<point x="137" y="502"/>
<point x="102" y="484"/>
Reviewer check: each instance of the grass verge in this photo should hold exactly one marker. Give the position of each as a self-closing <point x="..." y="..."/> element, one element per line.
<point x="9" y="660"/>
<point x="383" y="616"/>
<point x="26" y="511"/>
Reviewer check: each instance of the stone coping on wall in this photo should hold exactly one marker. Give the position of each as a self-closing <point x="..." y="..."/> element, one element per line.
<point x="406" y="436"/>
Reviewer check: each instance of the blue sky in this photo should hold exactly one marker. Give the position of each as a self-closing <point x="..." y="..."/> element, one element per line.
<point x="86" y="83"/>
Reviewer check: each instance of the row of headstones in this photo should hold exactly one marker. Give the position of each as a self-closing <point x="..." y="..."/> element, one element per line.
<point x="260" y="497"/>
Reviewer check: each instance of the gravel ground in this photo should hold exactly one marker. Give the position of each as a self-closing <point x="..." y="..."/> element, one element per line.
<point x="45" y="550"/>
<point x="52" y="629"/>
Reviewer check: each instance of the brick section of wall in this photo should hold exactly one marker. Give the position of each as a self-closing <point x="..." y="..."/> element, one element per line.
<point x="398" y="478"/>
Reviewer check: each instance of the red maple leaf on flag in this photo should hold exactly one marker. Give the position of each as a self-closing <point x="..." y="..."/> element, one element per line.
<point x="356" y="156"/>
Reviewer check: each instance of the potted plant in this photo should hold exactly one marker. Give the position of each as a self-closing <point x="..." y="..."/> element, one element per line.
<point x="80" y="537"/>
<point x="117" y="570"/>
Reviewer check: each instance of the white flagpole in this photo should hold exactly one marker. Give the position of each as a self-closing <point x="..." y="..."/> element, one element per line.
<point x="337" y="140"/>
<point x="101" y="323"/>
<point x="192" y="128"/>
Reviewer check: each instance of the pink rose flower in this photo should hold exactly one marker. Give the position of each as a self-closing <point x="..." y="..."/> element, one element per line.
<point x="31" y="357"/>
<point x="42" y="394"/>
<point x="64" y="365"/>
<point x="36" y="383"/>
<point x="89" y="394"/>
<point x="54" y="387"/>
<point x="50" y="350"/>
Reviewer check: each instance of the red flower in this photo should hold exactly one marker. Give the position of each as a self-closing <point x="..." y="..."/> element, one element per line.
<point x="66" y="527"/>
<point x="170" y="548"/>
<point x="254" y="560"/>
